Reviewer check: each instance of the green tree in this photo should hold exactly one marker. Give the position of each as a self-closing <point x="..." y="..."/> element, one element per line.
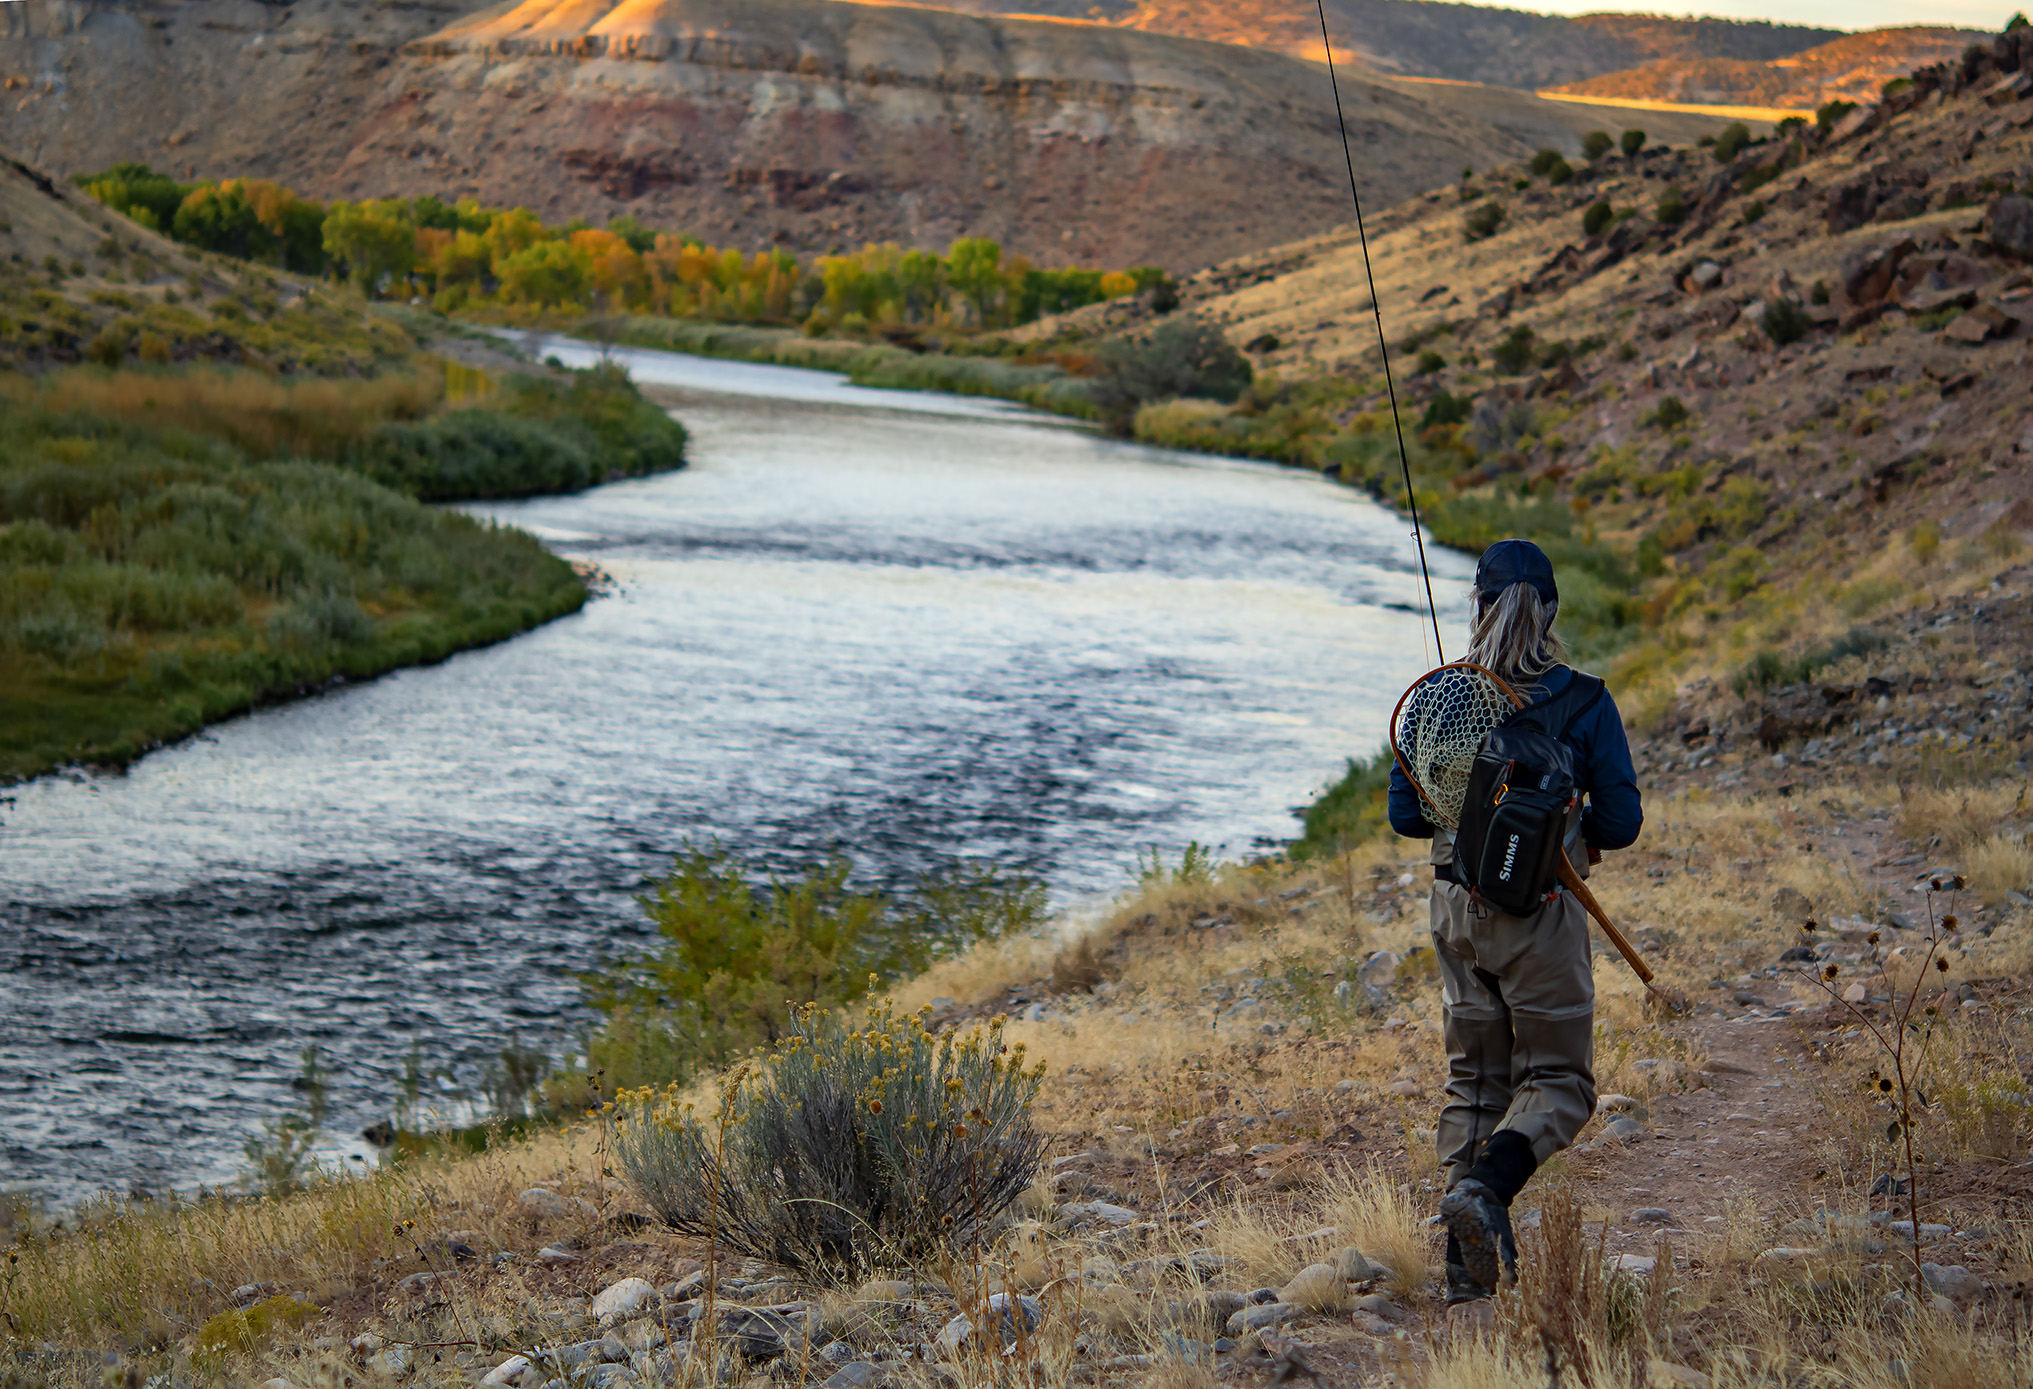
<point x="1631" y="143"/>
<point x="548" y="274"/>
<point x="138" y="192"/>
<point x="1599" y="215"/>
<point x="222" y="218"/>
<point x="1731" y="142"/>
<point x="1596" y="144"/>
<point x="1184" y="357"/>
<point x="373" y="241"/>
<point x="974" y="271"/>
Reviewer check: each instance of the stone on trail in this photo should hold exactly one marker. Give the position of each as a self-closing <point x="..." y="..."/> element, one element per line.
<point x="553" y="1257"/>
<point x="1318" y="1287"/>
<point x="1380" y="1306"/>
<point x="622" y="1300"/>
<point x="1625" y="1129"/>
<point x="1855" y="993"/>
<point x="1651" y="1215"/>
<point x="858" y="1374"/>
<point x="1636" y="1263"/>
<point x="1004" y="1312"/>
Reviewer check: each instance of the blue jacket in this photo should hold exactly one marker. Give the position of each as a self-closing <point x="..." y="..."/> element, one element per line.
<point x="1611" y="817"/>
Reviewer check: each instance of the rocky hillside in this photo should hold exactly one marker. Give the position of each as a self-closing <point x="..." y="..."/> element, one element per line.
<point x="1855" y="67"/>
<point x="1809" y="361"/>
<point x="1422" y="38"/>
<point x="802" y="123"/>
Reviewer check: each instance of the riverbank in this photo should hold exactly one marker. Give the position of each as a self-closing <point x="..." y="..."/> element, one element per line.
<point x="1243" y="1066"/>
<point x="181" y="546"/>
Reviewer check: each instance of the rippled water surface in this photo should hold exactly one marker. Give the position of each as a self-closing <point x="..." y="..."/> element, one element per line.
<point x="914" y="627"/>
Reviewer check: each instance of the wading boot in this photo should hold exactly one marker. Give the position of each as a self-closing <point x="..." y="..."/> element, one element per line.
<point x="1480" y="1227"/>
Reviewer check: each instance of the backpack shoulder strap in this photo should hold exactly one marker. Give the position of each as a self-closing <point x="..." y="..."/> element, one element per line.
<point x="1556" y="715"/>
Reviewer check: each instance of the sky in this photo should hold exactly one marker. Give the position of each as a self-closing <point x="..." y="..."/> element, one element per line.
<point x="1827" y="14"/>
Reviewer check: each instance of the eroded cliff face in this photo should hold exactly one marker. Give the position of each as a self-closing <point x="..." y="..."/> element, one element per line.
<point x="805" y="123"/>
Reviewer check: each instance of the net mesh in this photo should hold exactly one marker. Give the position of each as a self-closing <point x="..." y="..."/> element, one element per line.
<point x="1440" y="723"/>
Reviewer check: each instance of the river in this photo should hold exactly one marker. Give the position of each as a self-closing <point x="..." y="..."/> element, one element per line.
<point x="910" y="626"/>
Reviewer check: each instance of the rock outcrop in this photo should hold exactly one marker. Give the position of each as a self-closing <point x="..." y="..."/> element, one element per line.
<point x="804" y="123"/>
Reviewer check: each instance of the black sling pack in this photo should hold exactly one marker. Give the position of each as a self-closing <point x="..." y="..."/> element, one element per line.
<point x="1522" y="788"/>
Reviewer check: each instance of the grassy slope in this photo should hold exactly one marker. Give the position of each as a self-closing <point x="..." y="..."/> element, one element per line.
<point x="1167" y="1093"/>
<point x="162" y="567"/>
<point x="157" y="581"/>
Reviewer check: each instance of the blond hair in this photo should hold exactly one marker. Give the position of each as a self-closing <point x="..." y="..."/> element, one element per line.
<point x="1512" y="634"/>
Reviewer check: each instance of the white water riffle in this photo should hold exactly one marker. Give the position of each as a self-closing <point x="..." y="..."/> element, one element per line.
<point x="911" y="627"/>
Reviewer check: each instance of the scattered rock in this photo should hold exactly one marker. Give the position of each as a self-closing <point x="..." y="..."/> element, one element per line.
<point x="1379" y="970"/>
<point x="546" y="1204"/>
<point x="1380" y="1306"/>
<point x="1669" y="1374"/>
<point x="1651" y="1215"/>
<point x="2009" y="225"/>
<point x="509" y="1371"/>
<point x="1625" y="1129"/>
<point x="1622" y="1104"/>
<point x="418" y="1282"/>
<point x="759" y="1333"/>
<point x="1211" y="1308"/>
<point x="550" y="1256"/>
<point x="1855" y="993"/>
<point x="1098" y="1210"/>
<point x="1004" y="1312"/>
<point x="1354" y="1266"/>
<point x="1269" y="1314"/>
<point x="1953" y="1282"/>
<point x="620" y="1301"/>
<point x="857" y="1374"/>
<point x="249" y="1293"/>
<point x="1981" y="323"/>
<point x="1317" y="1287"/>
<point x="1641" y="1264"/>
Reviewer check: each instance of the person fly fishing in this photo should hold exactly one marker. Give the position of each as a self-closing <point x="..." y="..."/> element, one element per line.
<point x="1518" y="989"/>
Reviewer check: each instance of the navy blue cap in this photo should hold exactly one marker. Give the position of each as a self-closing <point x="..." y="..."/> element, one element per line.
<point x="1515" y="562"/>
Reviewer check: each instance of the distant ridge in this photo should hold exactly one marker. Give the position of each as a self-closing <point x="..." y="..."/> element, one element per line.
<point x="1425" y="38"/>
<point x="1855" y="67"/>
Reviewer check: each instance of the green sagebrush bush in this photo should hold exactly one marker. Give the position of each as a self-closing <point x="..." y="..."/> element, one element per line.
<point x="1183" y="358"/>
<point x="1482" y="223"/>
<point x="534" y="435"/>
<point x="853" y="1145"/>
<point x="735" y="951"/>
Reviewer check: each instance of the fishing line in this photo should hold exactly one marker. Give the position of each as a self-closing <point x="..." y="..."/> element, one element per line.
<point x="1377" y="307"/>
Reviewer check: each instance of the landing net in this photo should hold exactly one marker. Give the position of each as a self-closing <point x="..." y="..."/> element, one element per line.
<point x="1437" y="727"/>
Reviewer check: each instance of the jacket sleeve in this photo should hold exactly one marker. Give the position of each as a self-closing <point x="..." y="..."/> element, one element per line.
<point x="1614" y="815"/>
<point x="1408" y="812"/>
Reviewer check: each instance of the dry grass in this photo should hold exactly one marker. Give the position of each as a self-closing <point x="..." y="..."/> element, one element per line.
<point x="266" y="416"/>
<point x="1378" y="1214"/>
<point x="132" y="1276"/>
